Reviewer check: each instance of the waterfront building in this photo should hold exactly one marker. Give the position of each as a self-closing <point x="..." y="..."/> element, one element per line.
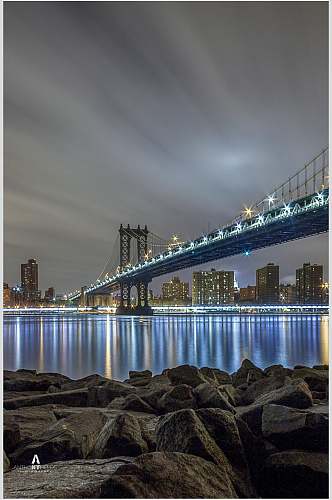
<point x="213" y="287"/>
<point x="49" y="294"/>
<point x="309" y="284"/>
<point x="267" y="284"/>
<point x="287" y="294"/>
<point x="29" y="281"/>
<point x="248" y="294"/>
<point x="6" y="294"/>
<point x="175" y="291"/>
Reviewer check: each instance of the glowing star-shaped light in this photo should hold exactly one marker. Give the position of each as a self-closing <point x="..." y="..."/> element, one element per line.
<point x="287" y="209"/>
<point x="246" y="253"/>
<point x="247" y="211"/>
<point x="238" y="226"/>
<point x="271" y="199"/>
<point x="260" y="219"/>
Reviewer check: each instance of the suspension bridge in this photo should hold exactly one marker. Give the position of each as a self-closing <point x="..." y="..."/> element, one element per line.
<point x="295" y="209"/>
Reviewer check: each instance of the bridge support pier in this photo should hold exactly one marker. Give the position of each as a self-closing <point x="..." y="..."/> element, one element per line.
<point x="142" y="308"/>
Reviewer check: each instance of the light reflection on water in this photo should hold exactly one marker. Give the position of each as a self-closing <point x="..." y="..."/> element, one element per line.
<point x="79" y="345"/>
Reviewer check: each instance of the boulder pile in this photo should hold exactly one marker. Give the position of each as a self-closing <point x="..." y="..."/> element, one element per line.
<point x="186" y="433"/>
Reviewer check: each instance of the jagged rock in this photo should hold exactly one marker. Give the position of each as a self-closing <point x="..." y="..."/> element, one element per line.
<point x="186" y="374"/>
<point x="78" y="397"/>
<point x="134" y="403"/>
<point x="154" y="394"/>
<point x="123" y="435"/>
<point x="102" y="395"/>
<point x="296" y="395"/>
<point x="11" y="433"/>
<point x="69" y="438"/>
<point x="29" y="380"/>
<point x="184" y="432"/>
<point x="232" y="394"/>
<point x="90" y="381"/>
<point x="169" y="475"/>
<point x="208" y="396"/>
<point x="178" y="398"/>
<point x="32" y="421"/>
<point x="137" y="374"/>
<point x="6" y="462"/>
<point x="260" y="387"/>
<point x="295" y="474"/>
<point x="317" y="380"/>
<point x="218" y="376"/>
<point x="247" y="369"/>
<point x="138" y="382"/>
<point x="289" y="428"/>
<point x="70" y="479"/>
<point x="277" y="371"/>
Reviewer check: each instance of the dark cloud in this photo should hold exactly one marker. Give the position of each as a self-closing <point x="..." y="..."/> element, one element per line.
<point x="170" y="114"/>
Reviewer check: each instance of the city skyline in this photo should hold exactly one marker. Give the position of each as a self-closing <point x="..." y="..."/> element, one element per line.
<point x="162" y="136"/>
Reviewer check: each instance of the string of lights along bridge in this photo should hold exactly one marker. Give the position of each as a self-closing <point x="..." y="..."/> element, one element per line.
<point x="295" y="209"/>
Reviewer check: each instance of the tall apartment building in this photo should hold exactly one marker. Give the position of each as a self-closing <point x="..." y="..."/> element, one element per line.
<point x="248" y="294"/>
<point x="267" y="284"/>
<point x="213" y="287"/>
<point x="175" y="291"/>
<point x="309" y="284"/>
<point x="29" y="281"/>
<point x="287" y="294"/>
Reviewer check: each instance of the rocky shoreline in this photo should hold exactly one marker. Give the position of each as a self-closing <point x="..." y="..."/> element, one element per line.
<point x="186" y="433"/>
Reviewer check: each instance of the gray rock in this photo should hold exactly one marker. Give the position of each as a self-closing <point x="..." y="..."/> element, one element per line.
<point x="186" y="374"/>
<point x="220" y="377"/>
<point x="247" y="368"/>
<point x="11" y="433"/>
<point x="78" y="397"/>
<point x="70" y="479"/>
<point x="277" y="371"/>
<point x="32" y="421"/>
<point x="137" y="374"/>
<point x="320" y="367"/>
<point x="296" y="395"/>
<point x="295" y="474"/>
<point x="208" y="396"/>
<point x="134" y="403"/>
<point x="152" y="395"/>
<point x="184" y="432"/>
<point x="317" y="380"/>
<point x="82" y="383"/>
<point x="177" y="398"/>
<point x="289" y="428"/>
<point x="169" y="475"/>
<point x="29" y="380"/>
<point x="123" y="435"/>
<point x="69" y="438"/>
<point x="102" y="395"/>
<point x="260" y="387"/>
<point x="6" y="462"/>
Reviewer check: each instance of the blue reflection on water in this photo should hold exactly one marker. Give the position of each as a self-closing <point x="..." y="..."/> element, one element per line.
<point x="78" y="345"/>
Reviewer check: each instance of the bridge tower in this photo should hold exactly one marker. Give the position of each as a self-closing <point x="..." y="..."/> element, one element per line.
<point x="141" y="236"/>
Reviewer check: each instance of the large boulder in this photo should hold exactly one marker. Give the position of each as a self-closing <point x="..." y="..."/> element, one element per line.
<point x="248" y="372"/>
<point x="177" y="398"/>
<point x="132" y="402"/>
<point x="295" y="474"/>
<point x="90" y="381"/>
<point x="137" y="374"/>
<point x="29" y="380"/>
<point x="260" y="387"/>
<point x="152" y="395"/>
<point x="32" y="421"/>
<point x="102" y="395"/>
<point x="185" y="432"/>
<point x="289" y="428"/>
<point x="11" y="433"/>
<point x="70" y="479"/>
<point x="317" y="380"/>
<point x="278" y="371"/>
<point x="208" y="396"/>
<point x="69" y="438"/>
<point x="296" y="395"/>
<point x="215" y="375"/>
<point x="77" y="397"/>
<point x="123" y="435"/>
<point x="185" y="374"/>
<point x="169" y="475"/>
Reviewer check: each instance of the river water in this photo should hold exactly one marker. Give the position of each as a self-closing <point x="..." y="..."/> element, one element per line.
<point x="79" y="344"/>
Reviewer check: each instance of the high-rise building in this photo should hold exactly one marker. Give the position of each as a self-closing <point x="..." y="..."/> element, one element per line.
<point x="287" y="294"/>
<point x="248" y="294"/>
<point x="213" y="287"/>
<point x="175" y="291"/>
<point x="6" y="294"/>
<point x="267" y="284"/>
<point x="50" y="294"/>
<point x="29" y="281"/>
<point x="309" y="284"/>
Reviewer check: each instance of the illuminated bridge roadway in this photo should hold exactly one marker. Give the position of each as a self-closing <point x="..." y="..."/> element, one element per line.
<point x="296" y="209"/>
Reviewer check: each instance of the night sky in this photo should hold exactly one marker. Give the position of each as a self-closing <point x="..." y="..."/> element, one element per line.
<point x="173" y="115"/>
